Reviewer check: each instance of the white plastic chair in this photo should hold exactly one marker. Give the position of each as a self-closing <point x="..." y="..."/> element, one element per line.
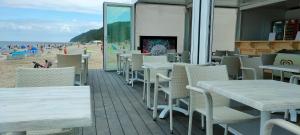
<point x="136" y="67"/>
<point x="71" y="61"/>
<point x="283" y="124"/>
<point x="153" y="59"/>
<point x="41" y="77"/>
<point x="175" y="90"/>
<point x="250" y="68"/>
<point x="45" y="77"/>
<point x="206" y="103"/>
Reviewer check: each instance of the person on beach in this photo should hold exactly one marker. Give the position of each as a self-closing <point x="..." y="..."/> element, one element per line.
<point x="47" y="64"/>
<point x="65" y="50"/>
<point x="42" y="49"/>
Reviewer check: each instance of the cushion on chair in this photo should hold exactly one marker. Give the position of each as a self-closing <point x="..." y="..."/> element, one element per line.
<point x="227" y="115"/>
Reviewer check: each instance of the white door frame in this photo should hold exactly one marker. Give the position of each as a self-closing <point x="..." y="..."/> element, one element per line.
<point x="105" y="4"/>
<point x="202" y="31"/>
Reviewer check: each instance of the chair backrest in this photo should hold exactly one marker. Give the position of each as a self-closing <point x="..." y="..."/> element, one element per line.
<point x="172" y="57"/>
<point x="75" y="51"/>
<point x="135" y="51"/>
<point x="179" y="81"/>
<point x="251" y="62"/>
<point x="220" y="53"/>
<point x="43" y="77"/>
<point x="268" y="59"/>
<point x="197" y="73"/>
<point x="185" y="57"/>
<point x="155" y="59"/>
<point x="137" y="61"/>
<point x="70" y="61"/>
<point x="233" y="65"/>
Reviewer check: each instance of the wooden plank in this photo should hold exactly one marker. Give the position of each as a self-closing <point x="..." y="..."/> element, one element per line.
<point x="122" y="115"/>
<point x="102" y="127"/>
<point x="91" y="130"/>
<point x="112" y="117"/>
<point x="164" y="124"/>
<point x="137" y="121"/>
<point x="136" y="100"/>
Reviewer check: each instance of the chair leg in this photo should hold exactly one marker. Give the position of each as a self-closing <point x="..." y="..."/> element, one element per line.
<point x="202" y="122"/>
<point x="132" y="78"/>
<point x="144" y="87"/>
<point x="225" y="129"/>
<point x="165" y="97"/>
<point x="144" y="90"/>
<point x="293" y="115"/>
<point x="190" y="122"/>
<point x="171" y="113"/>
<point x="136" y="74"/>
<point x="155" y="102"/>
<point x="286" y="114"/>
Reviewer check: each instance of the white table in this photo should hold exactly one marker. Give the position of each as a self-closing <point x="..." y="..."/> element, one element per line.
<point x="282" y="69"/>
<point x="42" y="108"/>
<point x="263" y="95"/>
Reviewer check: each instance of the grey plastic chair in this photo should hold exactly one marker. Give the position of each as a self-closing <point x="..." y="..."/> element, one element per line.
<point x="268" y="59"/>
<point x="220" y="53"/>
<point x="185" y="57"/>
<point x="250" y="68"/>
<point x="233" y="65"/>
<point x="172" y="57"/>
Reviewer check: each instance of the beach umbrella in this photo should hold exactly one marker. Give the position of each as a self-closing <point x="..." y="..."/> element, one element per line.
<point x="34" y="48"/>
<point x="23" y="47"/>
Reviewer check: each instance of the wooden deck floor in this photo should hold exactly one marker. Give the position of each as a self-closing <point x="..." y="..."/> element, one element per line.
<point x="118" y="109"/>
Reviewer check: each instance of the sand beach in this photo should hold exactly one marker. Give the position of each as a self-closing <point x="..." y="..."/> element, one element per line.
<point x="8" y="67"/>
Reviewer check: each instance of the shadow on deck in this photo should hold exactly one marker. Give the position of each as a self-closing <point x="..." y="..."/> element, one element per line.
<point x="118" y="109"/>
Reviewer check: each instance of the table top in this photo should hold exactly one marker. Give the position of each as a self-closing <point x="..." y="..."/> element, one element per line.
<point x="39" y="108"/>
<point x="286" y="68"/>
<point x="263" y="95"/>
<point x="125" y="55"/>
<point x="153" y="65"/>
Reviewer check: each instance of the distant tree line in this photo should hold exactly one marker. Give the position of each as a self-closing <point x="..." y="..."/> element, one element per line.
<point x="117" y="32"/>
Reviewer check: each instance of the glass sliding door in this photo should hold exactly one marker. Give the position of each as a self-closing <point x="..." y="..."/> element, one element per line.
<point x="118" y="32"/>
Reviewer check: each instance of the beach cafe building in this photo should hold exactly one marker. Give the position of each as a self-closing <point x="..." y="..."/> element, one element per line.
<point x="203" y="31"/>
<point x="201" y="27"/>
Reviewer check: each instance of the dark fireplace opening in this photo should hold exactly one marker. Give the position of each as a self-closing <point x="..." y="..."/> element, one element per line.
<point x="158" y="45"/>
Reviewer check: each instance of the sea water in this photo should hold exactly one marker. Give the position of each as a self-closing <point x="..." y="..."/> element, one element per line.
<point x="5" y="44"/>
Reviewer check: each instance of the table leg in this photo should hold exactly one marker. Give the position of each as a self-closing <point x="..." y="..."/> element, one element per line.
<point x="281" y="76"/>
<point x="148" y="89"/>
<point x="118" y="63"/>
<point x="264" y="117"/>
<point x="127" y="71"/>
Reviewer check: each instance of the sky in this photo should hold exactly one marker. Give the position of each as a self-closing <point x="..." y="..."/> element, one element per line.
<point x="49" y="20"/>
